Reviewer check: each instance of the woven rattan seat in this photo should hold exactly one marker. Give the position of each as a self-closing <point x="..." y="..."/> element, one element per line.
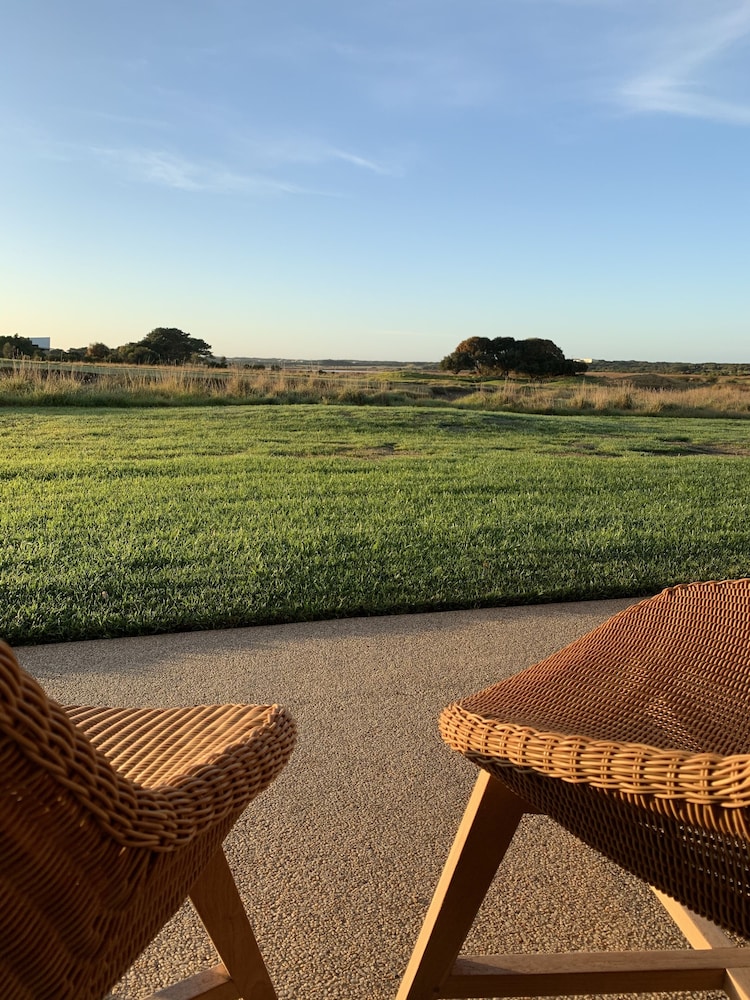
<point x="636" y="738"/>
<point x="110" y="818"/>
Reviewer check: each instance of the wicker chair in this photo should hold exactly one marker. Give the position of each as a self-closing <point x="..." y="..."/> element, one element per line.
<point x="110" y="818"/>
<point x="636" y="738"/>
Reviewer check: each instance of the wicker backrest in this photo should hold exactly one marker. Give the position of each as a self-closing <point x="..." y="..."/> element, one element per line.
<point x="672" y="671"/>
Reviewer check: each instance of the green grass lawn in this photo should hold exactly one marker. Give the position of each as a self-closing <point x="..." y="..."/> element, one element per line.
<point x="120" y="522"/>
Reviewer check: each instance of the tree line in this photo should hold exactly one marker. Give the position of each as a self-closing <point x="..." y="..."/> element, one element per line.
<point x="535" y="357"/>
<point x="163" y="345"/>
<point x="708" y="368"/>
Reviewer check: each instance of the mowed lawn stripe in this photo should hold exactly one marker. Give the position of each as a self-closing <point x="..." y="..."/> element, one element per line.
<point x="128" y="522"/>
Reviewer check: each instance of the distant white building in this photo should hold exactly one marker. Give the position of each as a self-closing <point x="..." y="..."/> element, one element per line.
<point x="42" y="342"/>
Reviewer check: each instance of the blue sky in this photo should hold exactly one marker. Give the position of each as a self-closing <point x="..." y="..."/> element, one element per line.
<point x="378" y="179"/>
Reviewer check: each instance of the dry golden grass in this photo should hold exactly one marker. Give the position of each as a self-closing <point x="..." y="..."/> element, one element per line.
<point x="613" y="397"/>
<point x="34" y="383"/>
<point x="83" y="385"/>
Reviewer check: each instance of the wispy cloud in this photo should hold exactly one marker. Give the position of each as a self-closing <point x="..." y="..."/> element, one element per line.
<point x="269" y="152"/>
<point x="361" y="161"/>
<point x="257" y="173"/>
<point x="678" y="82"/>
<point x="174" y="171"/>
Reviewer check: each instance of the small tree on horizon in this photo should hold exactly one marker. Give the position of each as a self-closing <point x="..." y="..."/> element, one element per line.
<point x="98" y="351"/>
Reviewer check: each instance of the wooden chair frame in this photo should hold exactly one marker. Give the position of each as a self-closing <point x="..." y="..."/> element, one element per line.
<point x="242" y="974"/>
<point x="484" y="835"/>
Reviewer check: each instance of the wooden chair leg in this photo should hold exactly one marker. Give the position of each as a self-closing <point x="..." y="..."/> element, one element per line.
<point x="484" y="835"/>
<point x="701" y="933"/>
<point x="436" y="970"/>
<point x="219" y="906"/>
<point x="243" y="975"/>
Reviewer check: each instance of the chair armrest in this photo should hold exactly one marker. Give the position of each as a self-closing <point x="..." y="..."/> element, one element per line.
<point x="186" y="768"/>
<point x="152" y="778"/>
<point x="632" y="769"/>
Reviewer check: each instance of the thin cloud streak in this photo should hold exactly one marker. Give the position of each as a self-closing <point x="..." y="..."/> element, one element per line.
<point x="670" y="97"/>
<point x="360" y="161"/>
<point x="169" y="170"/>
<point x="259" y="158"/>
<point x="678" y="85"/>
<point x="271" y="153"/>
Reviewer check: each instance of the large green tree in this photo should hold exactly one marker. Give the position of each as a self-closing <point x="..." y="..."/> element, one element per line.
<point x="535" y="357"/>
<point x="168" y="344"/>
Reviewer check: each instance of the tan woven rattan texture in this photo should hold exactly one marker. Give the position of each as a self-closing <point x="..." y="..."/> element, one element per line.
<point x="108" y="816"/>
<point x="637" y="739"/>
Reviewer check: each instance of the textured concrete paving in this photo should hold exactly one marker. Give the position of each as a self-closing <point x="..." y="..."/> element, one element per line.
<point x="337" y="861"/>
